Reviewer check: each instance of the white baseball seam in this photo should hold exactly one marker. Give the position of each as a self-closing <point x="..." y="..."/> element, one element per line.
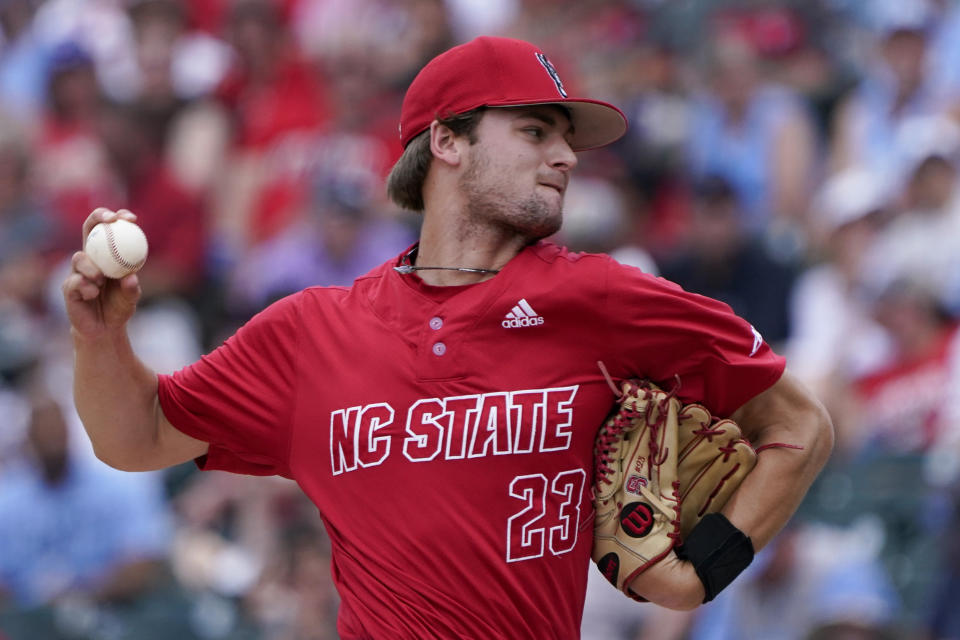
<point x="115" y="251"/>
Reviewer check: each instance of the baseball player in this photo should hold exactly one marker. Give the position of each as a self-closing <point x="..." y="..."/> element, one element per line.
<point x="441" y="412"/>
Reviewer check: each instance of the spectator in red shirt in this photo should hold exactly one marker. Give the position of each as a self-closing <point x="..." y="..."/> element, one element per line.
<point x="903" y="407"/>
<point x="71" y="170"/>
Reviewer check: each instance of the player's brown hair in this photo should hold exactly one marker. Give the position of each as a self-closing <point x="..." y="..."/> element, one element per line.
<point x="405" y="182"/>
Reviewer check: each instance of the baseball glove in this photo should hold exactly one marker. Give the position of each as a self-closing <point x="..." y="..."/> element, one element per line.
<point x="714" y="459"/>
<point x="636" y="491"/>
<point x="660" y="467"/>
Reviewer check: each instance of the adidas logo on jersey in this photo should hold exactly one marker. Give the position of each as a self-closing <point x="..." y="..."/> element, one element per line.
<point x="522" y="315"/>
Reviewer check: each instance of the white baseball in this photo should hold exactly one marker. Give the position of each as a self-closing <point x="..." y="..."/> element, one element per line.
<point x="118" y="248"/>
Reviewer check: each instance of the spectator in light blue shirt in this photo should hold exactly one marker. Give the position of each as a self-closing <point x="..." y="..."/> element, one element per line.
<point x="70" y="529"/>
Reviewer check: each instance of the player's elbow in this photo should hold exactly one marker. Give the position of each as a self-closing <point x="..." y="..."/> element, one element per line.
<point x="822" y="433"/>
<point x="127" y="454"/>
<point x="120" y="460"/>
<point x="811" y="429"/>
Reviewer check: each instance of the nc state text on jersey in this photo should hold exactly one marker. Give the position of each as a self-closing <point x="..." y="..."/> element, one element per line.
<point x="457" y="427"/>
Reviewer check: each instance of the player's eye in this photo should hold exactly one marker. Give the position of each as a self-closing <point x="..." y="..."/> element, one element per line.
<point x="535" y="132"/>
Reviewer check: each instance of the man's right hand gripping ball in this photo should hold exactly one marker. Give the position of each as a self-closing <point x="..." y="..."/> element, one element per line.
<point x="636" y="488"/>
<point x="96" y="304"/>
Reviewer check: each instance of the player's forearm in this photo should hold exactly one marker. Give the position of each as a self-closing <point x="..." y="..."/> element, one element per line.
<point x="771" y="493"/>
<point x="116" y="398"/>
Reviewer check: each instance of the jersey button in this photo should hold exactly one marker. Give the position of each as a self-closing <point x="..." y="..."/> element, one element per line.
<point x="436" y="323"/>
<point x="439" y="349"/>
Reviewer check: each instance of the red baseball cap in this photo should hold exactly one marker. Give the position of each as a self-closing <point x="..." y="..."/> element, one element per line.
<point x="501" y="72"/>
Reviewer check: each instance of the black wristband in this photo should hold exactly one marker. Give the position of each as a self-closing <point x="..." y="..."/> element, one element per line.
<point x="718" y="551"/>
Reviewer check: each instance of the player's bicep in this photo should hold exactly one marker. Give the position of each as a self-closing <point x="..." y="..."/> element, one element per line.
<point x="785" y="412"/>
<point x="173" y="445"/>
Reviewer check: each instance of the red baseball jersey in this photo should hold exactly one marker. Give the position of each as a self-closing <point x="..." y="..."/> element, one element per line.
<point x="446" y="433"/>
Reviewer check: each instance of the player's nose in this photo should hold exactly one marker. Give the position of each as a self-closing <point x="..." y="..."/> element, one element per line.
<point x="562" y="156"/>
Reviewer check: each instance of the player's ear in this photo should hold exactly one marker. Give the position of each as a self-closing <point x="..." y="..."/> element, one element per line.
<point x="444" y="144"/>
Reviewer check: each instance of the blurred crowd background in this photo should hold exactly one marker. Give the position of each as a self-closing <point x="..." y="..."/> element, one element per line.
<point x="797" y="160"/>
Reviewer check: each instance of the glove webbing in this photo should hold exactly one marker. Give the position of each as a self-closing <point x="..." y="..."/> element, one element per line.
<point x="607" y="437"/>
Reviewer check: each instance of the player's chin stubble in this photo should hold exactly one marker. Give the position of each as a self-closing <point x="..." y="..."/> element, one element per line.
<point x="538" y="218"/>
<point x="532" y="217"/>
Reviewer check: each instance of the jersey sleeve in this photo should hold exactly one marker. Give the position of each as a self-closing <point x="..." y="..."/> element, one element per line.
<point x="668" y="333"/>
<point x="240" y="397"/>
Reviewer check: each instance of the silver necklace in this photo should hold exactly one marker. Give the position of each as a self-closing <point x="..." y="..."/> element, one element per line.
<point x="407" y="267"/>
